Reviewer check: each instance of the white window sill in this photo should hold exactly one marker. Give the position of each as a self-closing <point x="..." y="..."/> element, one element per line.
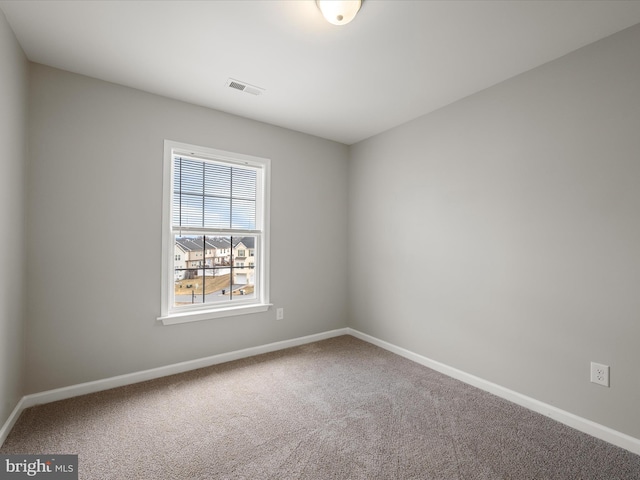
<point x="185" y="317"/>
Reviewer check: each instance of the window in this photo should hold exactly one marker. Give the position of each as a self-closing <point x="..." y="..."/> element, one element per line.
<point x="214" y="202"/>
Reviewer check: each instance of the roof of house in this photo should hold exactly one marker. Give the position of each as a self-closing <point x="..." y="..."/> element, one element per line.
<point x="194" y="243"/>
<point x="249" y="242"/>
<point x="218" y="242"/>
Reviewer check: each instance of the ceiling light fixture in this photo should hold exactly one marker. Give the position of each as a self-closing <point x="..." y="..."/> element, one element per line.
<point x="339" y="12"/>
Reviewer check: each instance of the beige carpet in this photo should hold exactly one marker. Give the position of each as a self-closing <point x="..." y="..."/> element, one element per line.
<point x="336" y="409"/>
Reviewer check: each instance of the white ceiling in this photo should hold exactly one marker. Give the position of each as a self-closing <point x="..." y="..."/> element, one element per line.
<point x="396" y="61"/>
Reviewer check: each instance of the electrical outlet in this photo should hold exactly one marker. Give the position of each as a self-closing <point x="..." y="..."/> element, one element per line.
<point x="600" y="374"/>
<point x="280" y="314"/>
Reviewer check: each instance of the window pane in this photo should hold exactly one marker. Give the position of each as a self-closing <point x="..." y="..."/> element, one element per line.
<point x="217" y="212"/>
<point x="244" y="184"/>
<point x="213" y="196"/>
<point x="187" y="210"/>
<point x="217" y="180"/>
<point x="188" y="176"/>
<point x="204" y="267"/>
<point x="244" y="268"/>
<point x="243" y="214"/>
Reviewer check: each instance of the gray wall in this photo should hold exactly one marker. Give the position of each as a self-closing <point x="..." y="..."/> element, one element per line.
<point x="501" y="235"/>
<point x="13" y="136"/>
<point x="95" y="191"/>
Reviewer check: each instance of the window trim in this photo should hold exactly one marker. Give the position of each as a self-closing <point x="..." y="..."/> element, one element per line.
<point x="169" y="316"/>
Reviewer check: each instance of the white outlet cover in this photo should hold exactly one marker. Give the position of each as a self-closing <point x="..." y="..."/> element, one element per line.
<point x="600" y="374"/>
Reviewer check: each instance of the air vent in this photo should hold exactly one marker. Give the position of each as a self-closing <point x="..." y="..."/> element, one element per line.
<point x="244" y="87"/>
<point x="237" y="86"/>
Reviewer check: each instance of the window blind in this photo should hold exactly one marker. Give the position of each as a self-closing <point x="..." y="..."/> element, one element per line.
<point x="213" y="196"/>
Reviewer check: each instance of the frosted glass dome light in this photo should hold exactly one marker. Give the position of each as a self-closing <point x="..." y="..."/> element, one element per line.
<point x="339" y="12"/>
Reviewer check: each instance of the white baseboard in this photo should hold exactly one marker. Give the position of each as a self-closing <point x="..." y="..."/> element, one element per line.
<point x="136" y="377"/>
<point x="589" y="427"/>
<point x="11" y="421"/>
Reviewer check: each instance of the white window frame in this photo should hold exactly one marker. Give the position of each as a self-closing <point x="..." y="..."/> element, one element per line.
<point x="169" y="314"/>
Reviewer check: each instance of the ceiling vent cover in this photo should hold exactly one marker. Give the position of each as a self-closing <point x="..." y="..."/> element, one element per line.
<point x="244" y="87"/>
